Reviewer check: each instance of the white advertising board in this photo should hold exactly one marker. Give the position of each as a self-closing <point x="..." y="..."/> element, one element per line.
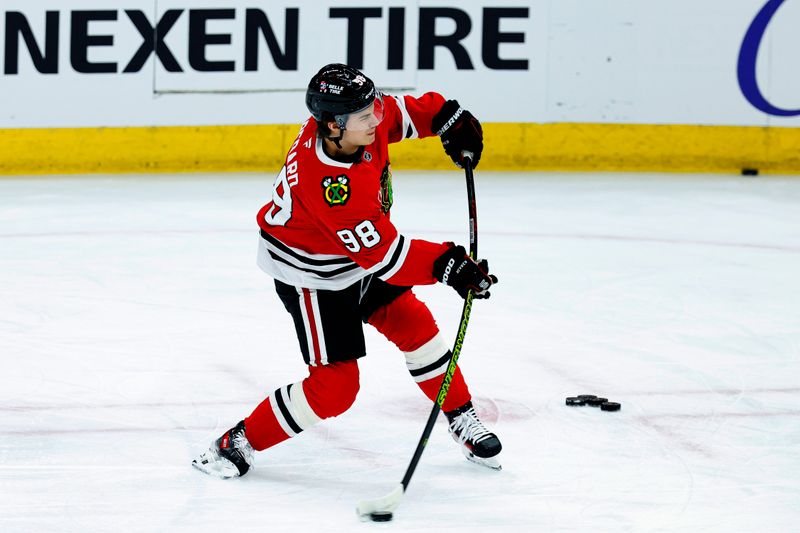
<point x="202" y="62"/>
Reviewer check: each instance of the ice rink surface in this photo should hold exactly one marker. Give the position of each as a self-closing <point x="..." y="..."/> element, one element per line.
<point x="135" y="328"/>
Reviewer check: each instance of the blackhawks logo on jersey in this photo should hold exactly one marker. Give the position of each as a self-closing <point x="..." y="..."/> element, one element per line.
<point x="336" y="190"/>
<point x="386" y="189"/>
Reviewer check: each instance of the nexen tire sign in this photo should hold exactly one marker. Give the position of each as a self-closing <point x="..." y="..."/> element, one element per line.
<point x="232" y="48"/>
<point x="204" y="62"/>
<point x="45" y="61"/>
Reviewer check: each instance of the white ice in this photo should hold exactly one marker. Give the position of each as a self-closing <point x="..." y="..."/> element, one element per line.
<point x="135" y="328"/>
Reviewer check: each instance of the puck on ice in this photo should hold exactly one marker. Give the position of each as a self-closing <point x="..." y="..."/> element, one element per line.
<point x="586" y="397"/>
<point x="596" y="402"/>
<point x="748" y="171"/>
<point x="380" y="517"/>
<point x="576" y="401"/>
<point x="610" y="406"/>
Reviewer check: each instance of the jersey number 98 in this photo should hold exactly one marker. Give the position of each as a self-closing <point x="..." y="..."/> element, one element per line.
<point x="281" y="210"/>
<point x="364" y="235"/>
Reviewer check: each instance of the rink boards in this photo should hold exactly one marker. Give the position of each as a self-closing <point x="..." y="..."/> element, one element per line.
<point x="184" y="85"/>
<point x="565" y="146"/>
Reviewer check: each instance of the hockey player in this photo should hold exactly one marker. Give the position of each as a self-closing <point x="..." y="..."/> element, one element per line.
<point x="338" y="261"/>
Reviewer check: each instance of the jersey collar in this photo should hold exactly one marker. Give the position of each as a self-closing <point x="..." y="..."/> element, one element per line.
<point x="326" y="159"/>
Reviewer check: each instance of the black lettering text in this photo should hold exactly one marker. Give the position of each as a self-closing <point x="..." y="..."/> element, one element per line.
<point x="492" y="37"/>
<point x="256" y="22"/>
<point x="153" y="40"/>
<point x="81" y="41"/>
<point x="397" y="30"/>
<point x="428" y="40"/>
<point x="16" y="25"/>
<point x="199" y="39"/>
<point x="355" y="30"/>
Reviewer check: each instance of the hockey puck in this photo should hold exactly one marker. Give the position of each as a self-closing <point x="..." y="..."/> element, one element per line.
<point x="586" y="397"/>
<point x="575" y="401"/>
<point x="380" y="517"/>
<point x="749" y="171"/>
<point x="610" y="406"/>
<point x="597" y="402"/>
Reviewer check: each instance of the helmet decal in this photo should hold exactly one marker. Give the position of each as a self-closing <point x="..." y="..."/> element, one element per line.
<point x="338" y="89"/>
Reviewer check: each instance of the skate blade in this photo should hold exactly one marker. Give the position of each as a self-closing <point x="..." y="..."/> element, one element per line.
<point x="215" y="467"/>
<point x="488" y="462"/>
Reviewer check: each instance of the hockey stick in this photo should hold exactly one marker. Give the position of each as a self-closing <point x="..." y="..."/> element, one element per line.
<point x="381" y="509"/>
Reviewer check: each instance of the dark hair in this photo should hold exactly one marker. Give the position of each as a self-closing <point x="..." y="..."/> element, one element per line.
<point x="323" y="129"/>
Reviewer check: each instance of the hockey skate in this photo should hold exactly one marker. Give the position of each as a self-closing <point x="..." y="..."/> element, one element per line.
<point x="229" y="456"/>
<point x="478" y="444"/>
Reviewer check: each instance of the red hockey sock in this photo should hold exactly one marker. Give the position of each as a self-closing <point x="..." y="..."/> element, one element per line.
<point x="409" y="324"/>
<point x="262" y="428"/>
<point x="327" y="391"/>
<point x="457" y="395"/>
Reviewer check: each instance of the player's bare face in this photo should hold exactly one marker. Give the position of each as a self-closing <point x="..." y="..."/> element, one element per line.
<point x="359" y="129"/>
<point x="361" y="125"/>
<point x="359" y="138"/>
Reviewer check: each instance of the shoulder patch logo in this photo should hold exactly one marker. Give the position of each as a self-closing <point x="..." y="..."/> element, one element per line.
<point x="385" y="195"/>
<point x="336" y="191"/>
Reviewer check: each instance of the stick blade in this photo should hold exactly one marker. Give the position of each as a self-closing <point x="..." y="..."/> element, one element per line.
<point x="386" y="504"/>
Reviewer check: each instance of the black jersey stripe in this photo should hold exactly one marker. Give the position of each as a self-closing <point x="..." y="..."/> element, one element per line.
<point x="307" y="260"/>
<point x="285" y="412"/>
<point x="320" y="273"/>
<point x="433" y="366"/>
<point x="395" y="257"/>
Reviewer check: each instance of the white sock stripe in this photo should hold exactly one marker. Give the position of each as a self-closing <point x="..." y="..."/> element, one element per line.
<point x="307" y="324"/>
<point x="426" y="354"/>
<point x="273" y="402"/>
<point x="323" y="351"/>
<point x="430" y="375"/>
<point x="304" y="414"/>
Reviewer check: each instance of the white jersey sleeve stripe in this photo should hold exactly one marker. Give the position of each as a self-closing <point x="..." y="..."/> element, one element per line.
<point x="409" y="129"/>
<point x="396" y="261"/>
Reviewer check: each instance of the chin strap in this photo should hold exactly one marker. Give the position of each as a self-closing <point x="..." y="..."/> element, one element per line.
<point x="341" y="123"/>
<point x="331" y="138"/>
<point x="335" y="140"/>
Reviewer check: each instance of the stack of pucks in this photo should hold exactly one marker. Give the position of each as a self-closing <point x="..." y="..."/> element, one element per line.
<point x="594" y="401"/>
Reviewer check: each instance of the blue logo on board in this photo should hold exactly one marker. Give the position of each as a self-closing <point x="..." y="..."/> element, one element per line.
<point x="748" y="54"/>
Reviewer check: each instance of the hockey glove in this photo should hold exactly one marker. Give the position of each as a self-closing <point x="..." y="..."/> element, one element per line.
<point x="457" y="269"/>
<point x="459" y="131"/>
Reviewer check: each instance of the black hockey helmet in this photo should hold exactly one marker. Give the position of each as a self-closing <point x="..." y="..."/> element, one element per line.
<point x="339" y="90"/>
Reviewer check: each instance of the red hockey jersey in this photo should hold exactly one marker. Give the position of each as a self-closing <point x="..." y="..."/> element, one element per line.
<point x="328" y="224"/>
